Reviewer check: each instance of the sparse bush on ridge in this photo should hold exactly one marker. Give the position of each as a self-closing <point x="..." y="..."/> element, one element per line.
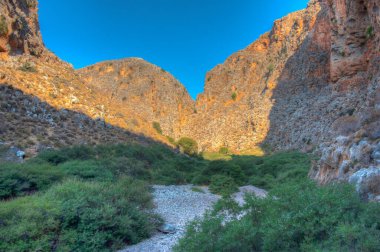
<point x="28" y="67"/>
<point x="3" y="26"/>
<point x="234" y="96"/>
<point x="31" y="3"/>
<point x="157" y="127"/>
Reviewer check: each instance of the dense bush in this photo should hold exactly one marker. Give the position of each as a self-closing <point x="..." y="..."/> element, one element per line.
<point x="295" y="217"/>
<point x="155" y="164"/>
<point x="20" y="180"/>
<point x="188" y="145"/>
<point x="79" y="216"/>
<point x="222" y="184"/>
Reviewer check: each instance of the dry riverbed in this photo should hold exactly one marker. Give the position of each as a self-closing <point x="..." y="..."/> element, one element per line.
<point x="177" y="205"/>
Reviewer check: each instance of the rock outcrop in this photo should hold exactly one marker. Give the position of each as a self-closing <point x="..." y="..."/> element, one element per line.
<point x="144" y="95"/>
<point x="235" y="108"/>
<point x="19" y="28"/>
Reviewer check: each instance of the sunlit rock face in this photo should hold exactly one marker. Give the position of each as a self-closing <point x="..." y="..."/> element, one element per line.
<point x="19" y="28"/>
<point x="45" y="102"/>
<point x="140" y="92"/>
<point x="234" y="110"/>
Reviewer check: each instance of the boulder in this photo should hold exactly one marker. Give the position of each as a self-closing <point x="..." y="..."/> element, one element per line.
<point x="367" y="182"/>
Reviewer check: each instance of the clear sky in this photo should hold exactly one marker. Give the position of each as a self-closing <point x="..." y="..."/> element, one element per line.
<point x="185" y="37"/>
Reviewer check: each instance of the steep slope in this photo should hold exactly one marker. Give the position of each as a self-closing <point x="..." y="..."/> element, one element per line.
<point x="39" y="89"/>
<point x="19" y="28"/>
<point x="312" y="79"/>
<point x="235" y="106"/>
<point x="141" y="93"/>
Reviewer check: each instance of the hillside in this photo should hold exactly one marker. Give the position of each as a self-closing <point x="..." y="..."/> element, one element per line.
<point x="31" y="74"/>
<point x="141" y="93"/>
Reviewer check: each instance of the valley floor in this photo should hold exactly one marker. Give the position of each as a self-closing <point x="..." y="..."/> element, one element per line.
<point x="177" y="205"/>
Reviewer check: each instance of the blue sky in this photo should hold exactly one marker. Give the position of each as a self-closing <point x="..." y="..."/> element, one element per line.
<point x="185" y="37"/>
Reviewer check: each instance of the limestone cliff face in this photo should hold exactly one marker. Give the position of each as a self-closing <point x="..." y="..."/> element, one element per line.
<point x="312" y="83"/>
<point x="354" y="152"/>
<point x="19" y="28"/>
<point x="141" y="93"/>
<point x="235" y="108"/>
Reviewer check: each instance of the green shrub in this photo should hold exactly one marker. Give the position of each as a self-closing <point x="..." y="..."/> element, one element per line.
<point x="188" y="145"/>
<point x="3" y="26"/>
<point x="234" y="96"/>
<point x="270" y="68"/>
<point x="227" y="168"/>
<point x="79" y="216"/>
<point x="157" y="127"/>
<point x="222" y="184"/>
<point x="19" y="180"/>
<point x="171" y="140"/>
<point x="295" y="217"/>
<point x="55" y="157"/>
<point x="28" y="67"/>
<point x="87" y="170"/>
<point x="223" y="150"/>
<point x="31" y="3"/>
<point x="370" y="32"/>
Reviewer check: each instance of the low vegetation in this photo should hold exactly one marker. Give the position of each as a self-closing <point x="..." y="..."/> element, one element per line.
<point x="79" y="216"/>
<point x="96" y="198"/>
<point x="223" y="150"/>
<point x="3" y="26"/>
<point x="234" y="96"/>
<point x="370" y="32"/>
<point x="188" y="146"/>
<point x="155" y="164"/>
<point x="28" y="67"/>
<point x="295" y="217"/>
<point x="157" y="127"/>
<point x="31" y="3"/>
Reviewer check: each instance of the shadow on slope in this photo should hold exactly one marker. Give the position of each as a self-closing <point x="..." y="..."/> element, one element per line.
<point x="28" y="122"/>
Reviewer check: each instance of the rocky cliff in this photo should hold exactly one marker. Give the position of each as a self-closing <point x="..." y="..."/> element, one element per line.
<point x="313" y="78"/>
<point x="236" y="106"/>
<point x="144" y="95"/>
<point x="19" y="28"/>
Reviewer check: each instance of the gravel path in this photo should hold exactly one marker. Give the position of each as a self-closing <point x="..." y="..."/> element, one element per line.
<point x="177" y="205"/>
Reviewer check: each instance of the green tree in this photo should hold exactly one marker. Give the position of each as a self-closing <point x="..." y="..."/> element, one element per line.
<point x="188" y="145"/>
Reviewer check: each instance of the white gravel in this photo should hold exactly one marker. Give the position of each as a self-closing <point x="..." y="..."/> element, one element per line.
<point x="177" y="205"/>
